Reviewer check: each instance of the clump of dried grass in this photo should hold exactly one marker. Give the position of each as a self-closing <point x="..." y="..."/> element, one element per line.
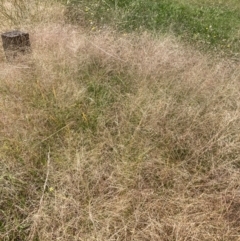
<point x="118" y="137"/>
<point x="22" y="13"/>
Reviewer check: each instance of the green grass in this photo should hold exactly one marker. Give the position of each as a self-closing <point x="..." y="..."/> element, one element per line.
<point x="212" y="25"/>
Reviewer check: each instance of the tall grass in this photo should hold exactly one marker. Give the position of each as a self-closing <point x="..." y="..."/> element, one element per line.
<point x="22" y="13"/>
<point x="117" y="136"/>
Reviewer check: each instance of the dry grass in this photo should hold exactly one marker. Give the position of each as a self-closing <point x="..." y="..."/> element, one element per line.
<point x="118" y="137"/>
<point x="23" y="13"/>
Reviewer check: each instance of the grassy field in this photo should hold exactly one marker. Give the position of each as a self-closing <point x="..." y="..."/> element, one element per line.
<point x="112" y="132"/>
<point x="209" y="25"/>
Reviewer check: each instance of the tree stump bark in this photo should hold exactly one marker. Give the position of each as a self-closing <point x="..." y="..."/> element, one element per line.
<point x="15" y="43"/>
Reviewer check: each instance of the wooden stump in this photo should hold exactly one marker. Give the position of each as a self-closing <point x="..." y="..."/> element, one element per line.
<point x="15" y="43"/>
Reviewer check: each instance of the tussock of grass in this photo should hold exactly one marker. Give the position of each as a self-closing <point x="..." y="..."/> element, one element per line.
<point x="106" y="136"/>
